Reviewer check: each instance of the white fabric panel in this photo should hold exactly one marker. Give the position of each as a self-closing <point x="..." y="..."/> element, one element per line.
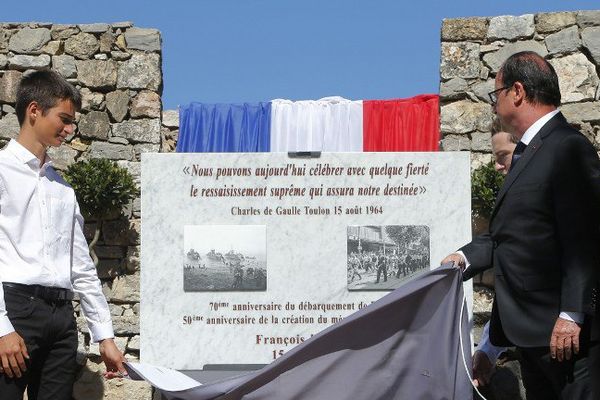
<point x="328" y="124"/>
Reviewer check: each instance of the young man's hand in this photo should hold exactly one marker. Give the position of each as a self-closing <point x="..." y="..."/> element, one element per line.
<point x="113" y="359"/>
<point x="13" y="354"/>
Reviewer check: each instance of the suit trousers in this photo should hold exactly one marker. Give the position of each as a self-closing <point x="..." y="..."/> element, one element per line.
<point x="50" y="334"/>
<point x="548" y="379"/>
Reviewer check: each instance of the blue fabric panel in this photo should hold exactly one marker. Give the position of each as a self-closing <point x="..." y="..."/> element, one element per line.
<point x="224" y="128"/>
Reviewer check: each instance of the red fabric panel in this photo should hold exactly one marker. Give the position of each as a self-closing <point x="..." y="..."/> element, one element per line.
<point x="402" y="124"/>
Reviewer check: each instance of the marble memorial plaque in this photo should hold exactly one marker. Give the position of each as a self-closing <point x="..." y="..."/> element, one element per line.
<point x="246" y="255"/>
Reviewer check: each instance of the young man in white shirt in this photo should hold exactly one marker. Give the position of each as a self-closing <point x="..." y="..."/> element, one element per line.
<point x="44" y="256"/>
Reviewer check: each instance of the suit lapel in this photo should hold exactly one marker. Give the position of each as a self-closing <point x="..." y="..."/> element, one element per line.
<point x="528" y="154"/>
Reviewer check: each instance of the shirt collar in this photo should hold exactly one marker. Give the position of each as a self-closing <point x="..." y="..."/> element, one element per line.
<point x="536" y="126"/>
<point x="27" y="157"/>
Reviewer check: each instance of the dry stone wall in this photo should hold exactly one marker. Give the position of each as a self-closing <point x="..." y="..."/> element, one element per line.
<point x="117" y="68"/>
<point x="472" y="51"/>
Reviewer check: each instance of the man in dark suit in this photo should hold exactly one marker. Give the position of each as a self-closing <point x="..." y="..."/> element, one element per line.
<point x="544" y="238"/>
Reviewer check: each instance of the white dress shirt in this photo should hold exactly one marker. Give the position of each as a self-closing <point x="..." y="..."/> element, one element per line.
<point x="41" y="237"/>
<point x="526" y="139"/>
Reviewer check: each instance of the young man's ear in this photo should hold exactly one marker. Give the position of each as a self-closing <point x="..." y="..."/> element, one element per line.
<point x="33" y="112"/>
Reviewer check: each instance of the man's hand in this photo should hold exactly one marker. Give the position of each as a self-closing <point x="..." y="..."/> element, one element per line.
<point x="113" y="359"/>
<point x="13" y="353"/>
<point x="482" y="369"/>
<point x="564" y="340"/>
<point x="457" y="259"/>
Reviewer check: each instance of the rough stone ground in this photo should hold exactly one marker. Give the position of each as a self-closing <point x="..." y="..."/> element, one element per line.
<point x="506" y="382"/>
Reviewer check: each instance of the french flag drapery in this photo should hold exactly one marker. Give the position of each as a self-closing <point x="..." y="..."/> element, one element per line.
<point x="331" y="124"/>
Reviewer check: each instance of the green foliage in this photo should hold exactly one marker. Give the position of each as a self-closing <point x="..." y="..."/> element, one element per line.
<point x="485" y="184"/>
<point x="101" y="186"/>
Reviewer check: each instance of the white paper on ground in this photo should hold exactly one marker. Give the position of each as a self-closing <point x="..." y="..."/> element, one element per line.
<point x="165" y="379"/>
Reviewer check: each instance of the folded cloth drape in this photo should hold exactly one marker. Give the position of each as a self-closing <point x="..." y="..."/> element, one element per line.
<point x="224" y="128"/>
<point x="404" y="346"/>
<point x="402" y="124"/>
<point x="328" y="124"/>
<point x="331" y="124"/>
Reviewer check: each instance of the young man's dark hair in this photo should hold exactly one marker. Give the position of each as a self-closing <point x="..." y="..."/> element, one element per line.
<point x="536" y="74"/>
<point x="45" y="87"/>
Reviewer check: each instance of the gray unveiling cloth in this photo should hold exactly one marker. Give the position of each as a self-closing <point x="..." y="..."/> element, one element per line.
<point x="404" y="346"/>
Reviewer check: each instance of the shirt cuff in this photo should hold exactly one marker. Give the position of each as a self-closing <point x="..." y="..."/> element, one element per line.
<point x="572" y="316"/>
<point x="101" y="331"/>
<point x="491" y="351"/>
<point x="5" y="326"/>
<point x="467" y="263"/>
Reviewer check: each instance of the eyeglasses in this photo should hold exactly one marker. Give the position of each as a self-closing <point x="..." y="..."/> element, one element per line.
<point x="494" y="94"/>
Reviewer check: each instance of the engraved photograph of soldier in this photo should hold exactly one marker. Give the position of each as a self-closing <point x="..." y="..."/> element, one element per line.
<point x="386" y="257"/>
<point x="225" y="258"/>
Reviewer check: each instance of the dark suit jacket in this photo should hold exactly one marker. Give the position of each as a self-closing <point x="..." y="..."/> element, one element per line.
<point x="543" y="241"/>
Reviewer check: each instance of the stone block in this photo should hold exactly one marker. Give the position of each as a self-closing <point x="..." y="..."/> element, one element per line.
<point x="511" y="27"/>
<point x="141" y="71"/>
<point x="63" y="32"/>
<point x="83" y="45"/>
<point x="107" y="39"/>
<point x="565" y="41"/>
<point x="116" y="310"/>
<point x="591" y="41"/>
<point x="146" y="104"/>
<point x="577" y="113"/>
<point x="65" y="65"/>
<point x="552" y="22"/>
<point x="465" y="116"/>
<point x="138" y="131"/>
<point x="24" y="62"/>
<point x="143" y="39"/>
<point x="8" y="109"/>
<point x="116" y="232"/>
<point x="94" y="28"/>
<point x="170" y="118"/>
<point x="460" y="60"/>
<point x="453" y="89"/>
<point x="111" y="151"/>
<point x="456" y="143"/>
<point x="495" y="60"/>
<point x="134" y="168"/>
<point x="109" y="251"/>
<point x="132" y="261"/>
<point x="97" y="74"/>
<point x="3" y="61"/>
<point x="135" y="231"/>
<point x="29" y="41"/>
<point x="62" y="156"/>
<point x="458" y="29"/>
<point x="91" y="100"/>
<point x="4" y="38"/>
<point x="8" y="86"/>
<point x="482" y="89"/>
<point x="120" y="55"/>
<point x="588" y="18"/>
<point x="108" y="268"/>
<point x="577" y="77"/>
<point x="480" y="159"/>
<point x="9" y="127"/>
<point x="126" y="289"/>
<point x="481" y="141"/>
<point x="134" y="343"/>
<point x="52" y="47"/>
<point x="94" y="125"/>
<point x="79" y="144"/>
<point x="117" y="103"/>
<point x="142" y="148"/>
